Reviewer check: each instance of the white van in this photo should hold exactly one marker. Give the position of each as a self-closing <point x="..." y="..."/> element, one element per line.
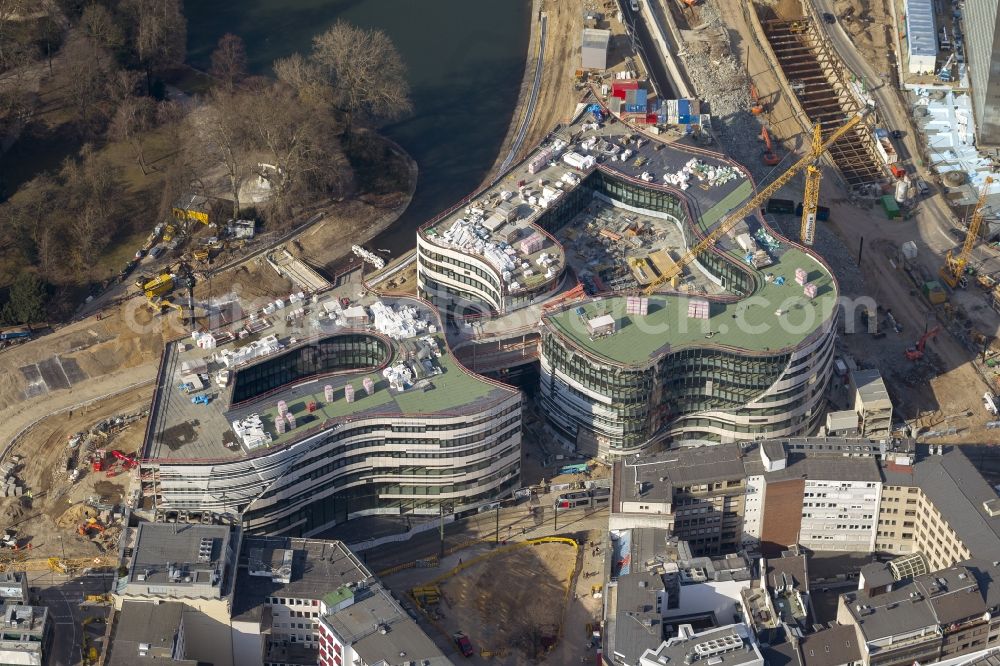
<point x="634" y="4"/>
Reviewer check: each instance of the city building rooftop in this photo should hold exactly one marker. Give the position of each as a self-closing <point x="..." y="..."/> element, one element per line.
<point x="780" y="317"/>
<point x="286" y="567"/>
<point x="940" y="598"/>
<point x="194" y="415"/>
<point x="833" y="646"/>
<point x="21" y="618"/>
<point x="144" y="633"/>
<point x="379" y="631"/>
<point x="180" y="559"/>
<point x="730" y="645"/>
<point x="958" y="491"/>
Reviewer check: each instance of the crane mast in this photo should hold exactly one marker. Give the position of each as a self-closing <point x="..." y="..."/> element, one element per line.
<point x="953" y="271"/>
<point x="734" y="217"/>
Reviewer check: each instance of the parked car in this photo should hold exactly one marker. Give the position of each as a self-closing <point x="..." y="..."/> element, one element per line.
<point x="897" y="134"/>
<point x="463" y="643"/>
<point x="829" y="18"/>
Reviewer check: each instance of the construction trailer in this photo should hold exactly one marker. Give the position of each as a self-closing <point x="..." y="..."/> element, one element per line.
<point x="158" y="286"/>
<point x="192" y="207"/>
<point x="594" y="49"/>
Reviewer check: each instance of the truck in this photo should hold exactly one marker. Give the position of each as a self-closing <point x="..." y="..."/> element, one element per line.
<point x="18" y="334"/>
<point x="159" y="285"/>
<point x="780" y="206"/>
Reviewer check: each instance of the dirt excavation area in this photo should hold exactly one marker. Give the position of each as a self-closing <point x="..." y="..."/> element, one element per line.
<point x="520" y="622"/>
<point x="57" y="487"/>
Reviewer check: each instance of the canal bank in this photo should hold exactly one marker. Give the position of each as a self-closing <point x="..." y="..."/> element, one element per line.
<point x="465" y="66"/>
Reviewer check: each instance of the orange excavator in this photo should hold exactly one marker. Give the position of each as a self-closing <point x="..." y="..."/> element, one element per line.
<point x="770" y="158"/>
<point x="91" y="524"/>
<point x="758" y="105"/>
<point x="916" y="352"/>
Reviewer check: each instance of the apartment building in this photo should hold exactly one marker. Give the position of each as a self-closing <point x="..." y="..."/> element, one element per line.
<point x="657" y="587"/>
<point x="25" y="634"/>
<point x="195" y="564"/>
<point x="369" y="628"/>
<point x="821" y="493"/>
<point x="731" y="645"/>
<point x="696" y="494"/>
<point x="931" y="617"/>
<point x="937" y="503"/>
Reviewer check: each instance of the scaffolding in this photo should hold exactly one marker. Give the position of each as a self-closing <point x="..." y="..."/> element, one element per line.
<point x="816" y="76"/>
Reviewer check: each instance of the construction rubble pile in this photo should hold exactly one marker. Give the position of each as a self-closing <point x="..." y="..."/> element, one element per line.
<point x="702" y="172"/>
<point x="12" y="484"/>
<point x="398" y="322"/>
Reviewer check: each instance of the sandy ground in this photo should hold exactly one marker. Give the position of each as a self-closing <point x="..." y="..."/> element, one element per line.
<point x="57" y="505"/>
<point x="556" y="97"/>
<point x="496" y="615"/>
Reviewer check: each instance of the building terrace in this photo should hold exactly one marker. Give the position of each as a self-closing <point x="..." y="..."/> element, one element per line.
<point x="315" y="336"/>
<point x="494" y="223"/>
<point x="777" y="317"/>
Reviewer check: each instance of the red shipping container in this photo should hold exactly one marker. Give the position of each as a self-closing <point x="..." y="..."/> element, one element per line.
<point x="651" y="118"/>
<point x="628" y="84"/>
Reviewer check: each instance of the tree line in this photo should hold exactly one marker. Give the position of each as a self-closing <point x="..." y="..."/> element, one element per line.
<point x="297" y="131"/>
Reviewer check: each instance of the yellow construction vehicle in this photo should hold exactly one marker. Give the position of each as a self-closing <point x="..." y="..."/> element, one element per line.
<point x="159" y="285"/>
<point x="98" y="598"/>
<point x="201" y="255"/>
<point x="953" y="271"/>
<point x="168" y="233"/>
<point x="736" y="216"/>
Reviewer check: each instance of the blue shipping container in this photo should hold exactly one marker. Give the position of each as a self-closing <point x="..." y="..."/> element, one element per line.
<point x="635" y="108"/>
<point x="683" y="107"/>
<point x="683" y="118"/>
<point x="640" y="96"/>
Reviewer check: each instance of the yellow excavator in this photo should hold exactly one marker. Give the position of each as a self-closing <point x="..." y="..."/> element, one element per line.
<point x="953" y="271"/>
<point x="818" y="147"/>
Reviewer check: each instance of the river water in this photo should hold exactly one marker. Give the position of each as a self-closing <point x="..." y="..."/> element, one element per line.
<point x="465" y="62"/>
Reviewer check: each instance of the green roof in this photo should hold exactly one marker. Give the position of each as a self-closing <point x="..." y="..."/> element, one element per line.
<point x="752" y="324"/>
<point x="453" y="389"/>
<point x="341" y="594"/>
<point x="726" y="204"/>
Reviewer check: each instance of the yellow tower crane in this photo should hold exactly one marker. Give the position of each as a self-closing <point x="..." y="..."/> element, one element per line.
<point x="953" y="271"/>
<point x="810" y="199"/>
<point x="734" y="217"/>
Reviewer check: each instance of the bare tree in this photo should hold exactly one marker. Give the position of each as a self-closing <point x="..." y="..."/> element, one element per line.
<point x="87" y="72"/>
<point x="100" y="25"/>
<point x="229" y="61"/>
<point x="223" y="138"/>
<point x="160" y="36"/>
<point x="365" y="71"/>
<point x="9" y="11"/>
<point x="306" y="78"/>
<point x="302" y="156"/>
<point x="132" y="120"/>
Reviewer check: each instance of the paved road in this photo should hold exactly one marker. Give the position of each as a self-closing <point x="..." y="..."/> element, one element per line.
<point x="536" y="84"/>
<point x="63" y="597"/>
<point x="645" y="45"/>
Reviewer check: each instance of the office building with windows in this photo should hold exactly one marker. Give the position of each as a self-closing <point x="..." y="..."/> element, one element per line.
<point x="293" y="422"/>
<point x="982" y="46"/>
<point x="742" y="349"/>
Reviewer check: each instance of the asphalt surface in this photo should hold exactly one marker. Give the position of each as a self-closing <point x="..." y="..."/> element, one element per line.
<point x="63" y="596"/>
<point x="644" y="43"/>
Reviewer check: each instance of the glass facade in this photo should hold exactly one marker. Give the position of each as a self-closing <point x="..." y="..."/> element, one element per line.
<point x="355" y="351"/>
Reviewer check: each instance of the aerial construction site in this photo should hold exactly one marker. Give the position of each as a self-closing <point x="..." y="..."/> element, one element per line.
<point x="714" y="226"/>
